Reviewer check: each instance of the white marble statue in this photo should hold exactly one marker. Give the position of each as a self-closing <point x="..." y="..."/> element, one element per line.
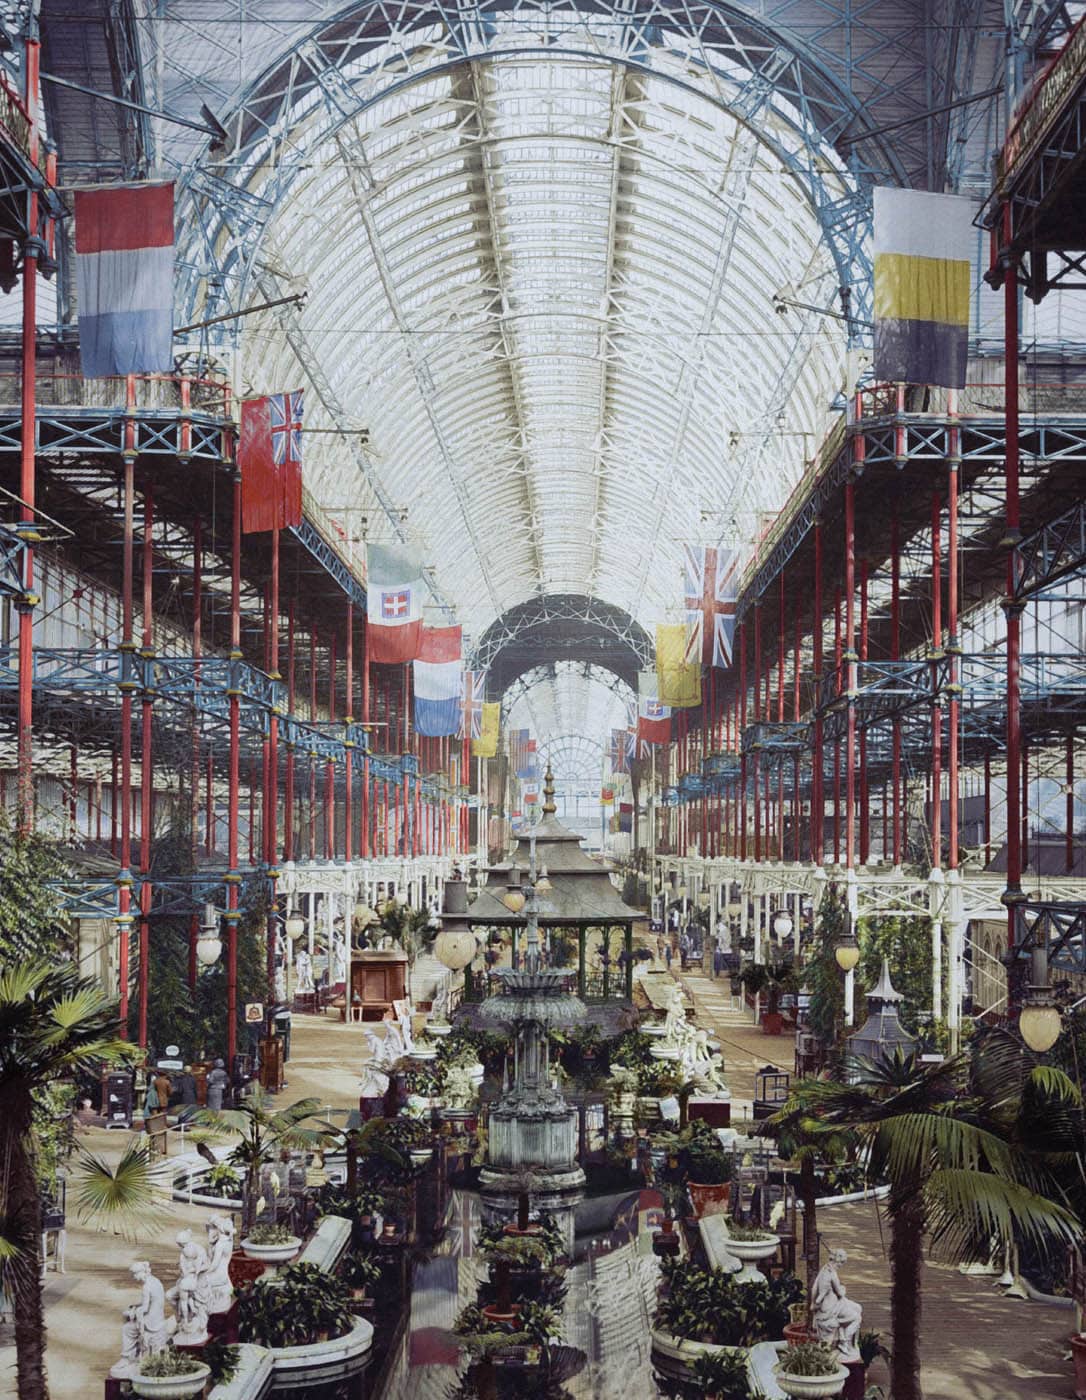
<point x="460" y="1088"/>
<point x="146" y="1329"/>
<point x="678" y="1032"/>
<point x="704" y="1068"/>
<point x="385" y="1049"/>
<point x="220" y="1246"/>
<point x="303" y="971"/>
<point x="339" y="962"/>
<point x="190" y="1295"/>
<point x="404" y="1022"/>
<point x="835" y="1316"/>
<point x="280" y="983"/>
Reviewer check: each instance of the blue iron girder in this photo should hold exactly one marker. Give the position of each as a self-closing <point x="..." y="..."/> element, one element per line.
<point x="1062" y="926"/>
<point x="1056" y="551"/>
<point x="1059" y="438"/>
<point x="782" y="738"/>
<point x="331" y="561"/>
<point x="92" y="429"/>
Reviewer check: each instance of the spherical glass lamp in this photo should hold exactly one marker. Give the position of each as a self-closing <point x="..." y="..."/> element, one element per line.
<point x="735" y="908"/>
<point x="1040" y="1022"/>
<point x="514" y="899"/>
<point x="294" y="925"/>
<point x="543" y="883"/>
<point x="681" y="892"/>
<point x="400" y="900"/>
<point x="782" y="924"/>
<point x="847" y="953"/>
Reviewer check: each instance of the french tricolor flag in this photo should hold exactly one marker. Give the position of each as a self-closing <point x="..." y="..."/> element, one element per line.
<point x="124" y="269"/>
<point x="438" y="682"/>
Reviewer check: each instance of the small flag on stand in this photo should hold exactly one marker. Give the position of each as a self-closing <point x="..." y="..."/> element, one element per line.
<point x="486" y="745"/>
<point x="923" y="269"/>
<point x="393" y="605"/>
<point x="711" y="581"/>
<point x="437" y="674"/>
<point x="124" y="273"/>
<point x="270" y="461"/>
<point x="678" y="670"/>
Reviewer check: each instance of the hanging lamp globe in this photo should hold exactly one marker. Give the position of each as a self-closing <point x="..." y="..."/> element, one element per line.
<point x="514" y="899"/>
<point x="782" y="924"/>
<point x="208" y="949"/>
<point x="294" y="925"/>
<point x="1039" y="1023"/>
<point x="543" y="883"/>
<point x="847" y="953"/>
<point x="455" y="948"/>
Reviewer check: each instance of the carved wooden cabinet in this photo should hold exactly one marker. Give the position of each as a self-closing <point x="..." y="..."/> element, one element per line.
<point x="378" y="978"/>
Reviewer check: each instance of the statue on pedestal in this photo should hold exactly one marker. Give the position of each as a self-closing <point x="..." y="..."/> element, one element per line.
<point x="303" y="971"/>
<point x="460" y="1088"/>
<point x="678" y="1032"/>
<point x="145" y="1330"/>
<point x="835" y="1316"/>
<point x="190" y="1294"/>
<point x="220" y="1243"/>
<point x="705" y="1068"/>
<point x="339" y="962"/>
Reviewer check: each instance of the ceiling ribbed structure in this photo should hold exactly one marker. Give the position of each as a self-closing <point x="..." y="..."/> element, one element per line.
<point x="543" y="251"/>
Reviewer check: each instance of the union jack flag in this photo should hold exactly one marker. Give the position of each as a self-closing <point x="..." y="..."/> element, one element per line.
<point x="471" y="709"/>
<point x="711" y="582"/>
<point x="286" y="412"/>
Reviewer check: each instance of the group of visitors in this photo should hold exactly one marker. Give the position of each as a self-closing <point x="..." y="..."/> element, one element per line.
<point x="181" y="1089"/>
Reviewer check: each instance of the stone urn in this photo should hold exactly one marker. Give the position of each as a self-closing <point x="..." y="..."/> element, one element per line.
<point x="811" y="1387"/>
<point x="420" y="1155"/>
<point x="272" y="1254"/>
<point x="751" y="1252"/>
<point x="172" y="1387"/>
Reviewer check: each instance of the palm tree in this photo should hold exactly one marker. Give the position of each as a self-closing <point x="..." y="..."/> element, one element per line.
<point x="53" y="1024"/>
<point x="957" y="1177"/>
<point x="264" y="1132"/>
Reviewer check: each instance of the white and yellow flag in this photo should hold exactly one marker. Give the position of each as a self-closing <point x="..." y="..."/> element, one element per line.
<point x="923" y="270"/>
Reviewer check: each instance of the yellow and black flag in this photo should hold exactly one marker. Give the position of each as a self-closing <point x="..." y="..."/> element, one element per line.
<point x="923" y="270"/>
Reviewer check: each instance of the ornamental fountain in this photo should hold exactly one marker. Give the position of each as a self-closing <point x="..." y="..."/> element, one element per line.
<point x="532" y="1130"/>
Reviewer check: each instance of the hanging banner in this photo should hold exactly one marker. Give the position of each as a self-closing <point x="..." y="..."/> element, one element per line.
<point x="679" y="678"/>
<point x="270" y="461"/>
<point x="653" y="718"/>
<point x="923" y="269"/>
<point x="124" y="272"/>
<point x="393" y="605"/>
<point x="486" y="745"/>
<point x="437" y="675"/>
<point x="711" y="583"/>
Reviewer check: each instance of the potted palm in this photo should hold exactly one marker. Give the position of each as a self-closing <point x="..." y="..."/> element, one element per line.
<point x="170" y="1375"/>
<point x="710" y="1171"/>
<point x="810" y="1371"/>
<point x="774" y="980"/>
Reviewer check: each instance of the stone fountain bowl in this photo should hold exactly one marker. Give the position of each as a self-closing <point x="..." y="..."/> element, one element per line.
<point x="507" y="1009"/>
<point x="544" y="981"/>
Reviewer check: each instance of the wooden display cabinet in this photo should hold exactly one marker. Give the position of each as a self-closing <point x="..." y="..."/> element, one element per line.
<point x="378" y="978"/>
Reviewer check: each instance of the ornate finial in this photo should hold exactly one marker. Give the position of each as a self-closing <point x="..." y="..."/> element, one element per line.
<point x="548" y="792"/>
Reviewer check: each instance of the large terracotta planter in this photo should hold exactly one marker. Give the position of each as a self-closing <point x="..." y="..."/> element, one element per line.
<point x="796" y="1333"/>
<point x="709" y="1198"/>
<point x="1078" y="1355"/>
<point x="772" y="1023"/>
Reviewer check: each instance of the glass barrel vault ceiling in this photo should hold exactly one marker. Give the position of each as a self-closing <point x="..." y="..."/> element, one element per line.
<point x="544" y="284"/>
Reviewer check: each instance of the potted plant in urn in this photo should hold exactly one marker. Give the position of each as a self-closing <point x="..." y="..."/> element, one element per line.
<point x="723" y="1375"/>
<point x="360" y="1272"/>
<point x="710" y="1171"/>
<point x="271" y="1244"/>
<point x="751" y="1244"/>
<point x="301" y="1306"/>
<point x="170" y="1375"/>
<point x="774" y="980"/>
<point x="810" y="1371"/>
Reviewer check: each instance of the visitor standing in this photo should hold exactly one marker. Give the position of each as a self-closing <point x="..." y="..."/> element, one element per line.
<point x="217" y="1082"/>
